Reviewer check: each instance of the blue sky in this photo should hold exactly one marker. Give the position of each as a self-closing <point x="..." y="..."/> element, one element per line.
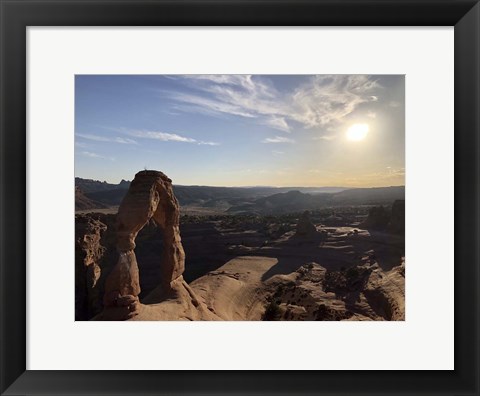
<point x="242" y="130"/>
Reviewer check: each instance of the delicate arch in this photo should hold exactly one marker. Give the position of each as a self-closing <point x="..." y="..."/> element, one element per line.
<point x="150" y="196"/>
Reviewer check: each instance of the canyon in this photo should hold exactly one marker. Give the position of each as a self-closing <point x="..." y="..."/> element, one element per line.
<point x="149" y="260"/>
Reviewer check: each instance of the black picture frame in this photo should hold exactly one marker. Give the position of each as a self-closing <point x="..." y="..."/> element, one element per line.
<point x="17" y="15"/>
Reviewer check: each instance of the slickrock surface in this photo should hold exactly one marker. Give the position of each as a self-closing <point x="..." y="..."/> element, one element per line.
<point x="180" y="303"/>
<point x="359" y="293"/>
<point x="235" y="291"/>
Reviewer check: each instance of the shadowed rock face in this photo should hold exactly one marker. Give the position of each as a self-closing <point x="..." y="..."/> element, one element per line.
<point x="88" y="256"/>
<point x="397" y="220"/>
<point x="378" y="218"/>
<point x="305" y="227"/>
<point x="150" y="197"/>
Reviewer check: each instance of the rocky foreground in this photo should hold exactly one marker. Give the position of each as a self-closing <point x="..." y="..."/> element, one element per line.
<point x="310" y="272"/>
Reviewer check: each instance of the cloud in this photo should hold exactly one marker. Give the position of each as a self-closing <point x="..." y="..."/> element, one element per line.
<point x="167" y="137"/>
<point x="371" y="114"/>
<point x="98" y="138"/>
<point x="278" y="152"/>
<point x="328" y="138"/>
<point x="278" y="123"/>
<point x="201" y="143"/>
<point x="209" y="106"/>
<point x="162" y="136"/>
<point x="323" y="100"/>
<point x="396" y="171"/>
<point x="95" y="155"/>
<point x="328" y="99"/>
<point x="125" y="140"/>
<point x="278" y="139"/>
<point x="392" y="176"/>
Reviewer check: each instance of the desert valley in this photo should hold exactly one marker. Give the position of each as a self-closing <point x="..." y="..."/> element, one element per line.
<point x="147" y="250"/>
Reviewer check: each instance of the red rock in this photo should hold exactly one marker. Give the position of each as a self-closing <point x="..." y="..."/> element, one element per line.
<point x="150" y="196"/>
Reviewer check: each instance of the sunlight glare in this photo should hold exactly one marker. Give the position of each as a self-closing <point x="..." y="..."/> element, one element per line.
<point x="357" y="132"/>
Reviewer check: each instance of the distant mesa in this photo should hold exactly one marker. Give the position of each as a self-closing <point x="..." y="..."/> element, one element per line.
<point x="243" y="200"/>
<point x="82" y="202"/>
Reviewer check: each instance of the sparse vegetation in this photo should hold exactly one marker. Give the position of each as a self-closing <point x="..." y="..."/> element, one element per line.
<point x="345" y="280"/>
<point x="272" y="311"/>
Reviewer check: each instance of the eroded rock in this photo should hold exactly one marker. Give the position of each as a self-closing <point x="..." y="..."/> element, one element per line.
<point x="89" y="253"/>
<point x="150" y="196"/>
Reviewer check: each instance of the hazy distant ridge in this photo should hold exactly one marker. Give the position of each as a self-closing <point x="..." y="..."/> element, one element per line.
<point x="261" y="200"/>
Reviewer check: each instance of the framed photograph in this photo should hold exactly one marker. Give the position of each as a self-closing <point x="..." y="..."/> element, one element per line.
<point x="240" y="197"/>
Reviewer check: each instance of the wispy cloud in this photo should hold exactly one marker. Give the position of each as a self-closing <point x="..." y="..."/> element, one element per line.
<point x="202" y="143"/>
<point x="95" y="155"/>
<point x="99" y="138"/>
<point x="278" y="139"/>
<point x="321" y="101"/>
<point x="395" y="171"/>
<point x="392" y="176"/>
<point x="278" y="152"/>
<point x="328" y="138"/>
<point x="328" y="99"/>
<point x="163" y="136"/>
<point x="167" y="137"/>
<point x="278" y="123"/>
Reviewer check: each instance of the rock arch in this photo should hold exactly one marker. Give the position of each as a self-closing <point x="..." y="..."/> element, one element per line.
<point x="150" y="196"/>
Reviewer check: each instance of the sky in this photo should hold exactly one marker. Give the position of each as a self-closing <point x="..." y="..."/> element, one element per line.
<point x="242" y="130"/>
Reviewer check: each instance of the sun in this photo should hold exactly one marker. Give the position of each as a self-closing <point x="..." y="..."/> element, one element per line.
<point x="357" y="132"/>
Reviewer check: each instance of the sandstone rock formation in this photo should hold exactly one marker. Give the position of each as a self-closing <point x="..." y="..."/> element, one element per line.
<point x="305" y="227"/>
<point x="358" y="276"/>
<point x="150" y="197"/>
<point x="363" y="292"/>
<point x="88" y="255"/>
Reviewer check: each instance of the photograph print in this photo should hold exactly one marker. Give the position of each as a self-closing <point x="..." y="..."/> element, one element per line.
<point x="240" y="197"/>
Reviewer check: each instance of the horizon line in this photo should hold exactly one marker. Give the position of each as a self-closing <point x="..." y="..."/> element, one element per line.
<point x="248" y="186"/>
